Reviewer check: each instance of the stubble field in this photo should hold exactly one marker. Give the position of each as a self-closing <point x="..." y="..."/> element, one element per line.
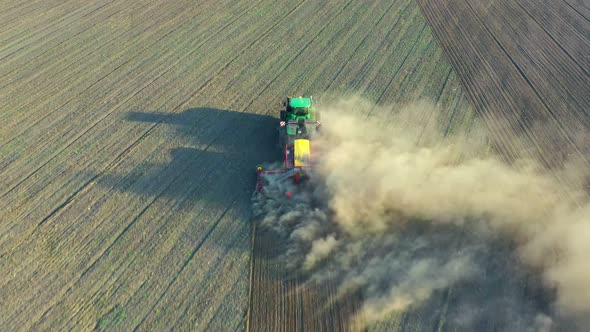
<point x="130" y="132"/>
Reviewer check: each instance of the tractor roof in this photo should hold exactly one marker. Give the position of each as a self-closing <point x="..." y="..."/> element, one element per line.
<point x="300" y="102"/>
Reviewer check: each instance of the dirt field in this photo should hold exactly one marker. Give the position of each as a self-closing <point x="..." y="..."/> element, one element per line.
<point x="130" y="132"/>
<point x="526" y="68"/>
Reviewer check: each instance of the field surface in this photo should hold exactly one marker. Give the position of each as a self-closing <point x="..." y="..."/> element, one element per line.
<point x="129" y="133"/>
<point x="525" y="66"/>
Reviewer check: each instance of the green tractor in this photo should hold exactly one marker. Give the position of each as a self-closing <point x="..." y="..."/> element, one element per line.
<point x="297" y="121"/>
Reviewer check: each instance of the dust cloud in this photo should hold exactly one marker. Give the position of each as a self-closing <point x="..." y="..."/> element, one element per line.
<point x="397" y="210"/>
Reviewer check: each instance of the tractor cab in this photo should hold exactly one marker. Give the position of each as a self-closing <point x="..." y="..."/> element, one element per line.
<point x="299" y="118"/>
<point x="298" y="108"/>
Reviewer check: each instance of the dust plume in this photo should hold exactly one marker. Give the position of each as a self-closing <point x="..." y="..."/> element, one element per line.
<point x="398" y="211"/>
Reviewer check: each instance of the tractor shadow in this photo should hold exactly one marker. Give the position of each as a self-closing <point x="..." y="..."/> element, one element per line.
<point x="186" y="181"/>
<point x="218" y="151"/>
<point x="201" y="158"/>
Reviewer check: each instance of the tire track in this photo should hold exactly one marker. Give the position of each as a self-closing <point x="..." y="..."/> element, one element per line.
<point x="113" y="109"/>
<point x="138" y="140"/>
<point x="442" y="89"/>
<point x="451" y="39"/>
<point x="544" y="107"/>
<point x="155" y="232"/>
<point x="158" y="301"/>
<point x="465" y="70"/>
<point x="79" y="60"/>
<point x="579" y="9"/>
<point x="14" y="21"/>
<point x="297" y="55"/>
<point x="44" y="29"/>
<point x="355" y="51"/>
<point x="251" y="276"/>
<point x="130" y="148"/>
<point x="97" y="256"/>
<point x="19" y="15"/>
<point x="420" y="36"/>
<point x="43" y="66"/>
<point x="585" y="68"/>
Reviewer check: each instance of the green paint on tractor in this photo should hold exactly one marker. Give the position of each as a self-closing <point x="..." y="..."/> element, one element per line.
<point x="300" y="102"/>
<point x="300" y="109"/>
